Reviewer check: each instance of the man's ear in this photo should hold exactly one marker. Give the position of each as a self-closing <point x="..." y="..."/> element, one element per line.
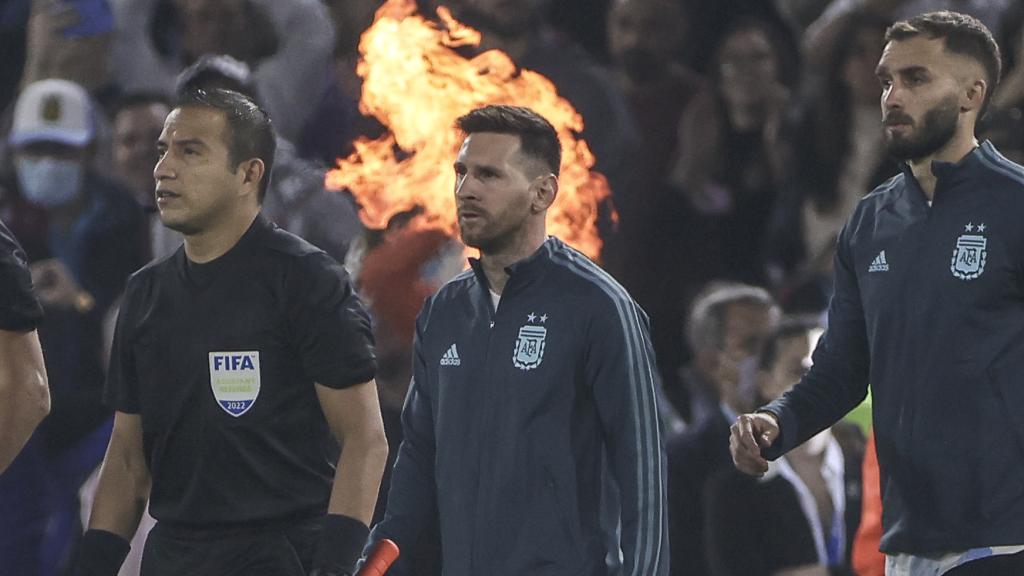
<point x="545" y="190"/>
<point x="974" y="97"/>
<point x="253" y="172"/>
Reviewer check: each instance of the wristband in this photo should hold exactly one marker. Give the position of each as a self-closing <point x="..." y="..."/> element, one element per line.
<point x="341" y="542"/>
<point x="100" y="553"/>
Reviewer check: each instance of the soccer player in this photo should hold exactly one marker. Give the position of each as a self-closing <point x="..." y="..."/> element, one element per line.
<point x="533" y="390"/>
<point x="928" y="308"/>
<point x="233" y="360"/>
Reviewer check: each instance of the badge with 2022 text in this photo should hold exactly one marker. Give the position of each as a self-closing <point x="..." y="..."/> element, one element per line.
<point x="235" y="380"/>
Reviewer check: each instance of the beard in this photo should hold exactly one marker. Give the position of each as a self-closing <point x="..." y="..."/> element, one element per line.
<point x="491" y="234"/>
<point x="481" y="238"/>
<point x="937" y="128"/>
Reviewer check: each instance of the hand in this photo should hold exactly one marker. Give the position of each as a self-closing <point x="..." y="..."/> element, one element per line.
<point x="50" y="53"/>
<point x="749" y="435"/>
<point x="56" y="287"/>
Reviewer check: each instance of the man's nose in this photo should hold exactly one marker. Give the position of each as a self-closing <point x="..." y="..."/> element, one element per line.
<point x="163" y="168"/>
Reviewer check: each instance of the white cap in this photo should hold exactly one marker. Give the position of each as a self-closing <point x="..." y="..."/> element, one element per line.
<point x="52" y="111"/>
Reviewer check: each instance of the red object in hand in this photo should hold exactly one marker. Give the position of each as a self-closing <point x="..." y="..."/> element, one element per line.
<point x="377" y="564"/>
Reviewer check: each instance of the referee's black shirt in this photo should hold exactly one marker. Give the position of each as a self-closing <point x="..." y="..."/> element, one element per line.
<point x="220" y="361"/>
<point x="19" y="309"/>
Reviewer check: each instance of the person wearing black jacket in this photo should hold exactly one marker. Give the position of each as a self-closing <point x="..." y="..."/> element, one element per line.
<point x="234" y="360"/>
<point x="928" y="308"/>
<point x="533" y="390"/>
<point x="24" y="395"/>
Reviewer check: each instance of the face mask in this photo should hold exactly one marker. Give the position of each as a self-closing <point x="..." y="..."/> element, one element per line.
<point x="49" y="182"/>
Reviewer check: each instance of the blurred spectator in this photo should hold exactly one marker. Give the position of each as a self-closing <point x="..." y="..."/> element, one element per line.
<point x="137" y="123"/>
<point x="800" y="13"/>
<point x="296" y="199"/>
<point x="83" y="237"/>
<point x="583" y="23"/>
<point x="801" y="516"/>
<point x="351" y="18"/>
<point x="288" y="44"/>
<point x="645" y="39"/>
<point x="727" y="325"/>
<point x="1004" y="123"/>
<point x="712" y="21"/>
<point x="835" y="155"/>
<point x="730" y="168"/>
<point x="821" y="35"/>
<point x="727" y="328"/>
<point x="70" y="39"/>
<point x="13" y="33"/>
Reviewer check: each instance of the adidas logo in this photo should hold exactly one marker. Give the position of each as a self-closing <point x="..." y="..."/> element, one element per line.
<point x="879" y="264"/>
<point x="451" y="357"/>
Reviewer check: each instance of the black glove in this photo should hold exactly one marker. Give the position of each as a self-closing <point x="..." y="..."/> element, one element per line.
<point x="341" y="542"/>
<point x="100" y="553"/>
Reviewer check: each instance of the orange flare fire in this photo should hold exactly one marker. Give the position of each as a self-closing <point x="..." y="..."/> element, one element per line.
<point x="417" y="85"/>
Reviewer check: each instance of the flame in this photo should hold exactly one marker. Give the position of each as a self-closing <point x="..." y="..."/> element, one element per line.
<point x="417" y="85"/>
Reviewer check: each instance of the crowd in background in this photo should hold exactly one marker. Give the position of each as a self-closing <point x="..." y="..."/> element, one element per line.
<point x="736" y="135"/>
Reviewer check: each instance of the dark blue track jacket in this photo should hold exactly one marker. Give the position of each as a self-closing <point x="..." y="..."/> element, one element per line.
<point x="929" y="307"/>
<point x="516" y="418"/>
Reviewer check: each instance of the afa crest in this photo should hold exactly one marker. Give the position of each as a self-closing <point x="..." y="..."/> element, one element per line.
<point x="529" y="347"/>
<point x="969" y="256"/>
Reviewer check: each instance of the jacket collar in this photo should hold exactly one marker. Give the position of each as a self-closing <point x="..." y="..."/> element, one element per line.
<point x="954" y="172"/>
<point x="525" y="269"/>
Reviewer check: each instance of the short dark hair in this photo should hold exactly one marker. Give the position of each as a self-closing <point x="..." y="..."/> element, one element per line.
<point x="250" y="131"/>
<point x="961" y="34"/>
<point x="537" y="137"/>
<point x="788" y="327"/>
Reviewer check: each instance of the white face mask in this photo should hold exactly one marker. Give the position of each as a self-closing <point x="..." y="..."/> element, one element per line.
<point x="49" y="182"/>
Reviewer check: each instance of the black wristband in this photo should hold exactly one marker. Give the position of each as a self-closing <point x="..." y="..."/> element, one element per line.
<point x="100" y="553"/>
<point x="341" y="542"/>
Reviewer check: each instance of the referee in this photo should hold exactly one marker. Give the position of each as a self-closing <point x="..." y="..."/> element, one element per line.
<point x="233" y="360"/>
<point x="24" y="395"/>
